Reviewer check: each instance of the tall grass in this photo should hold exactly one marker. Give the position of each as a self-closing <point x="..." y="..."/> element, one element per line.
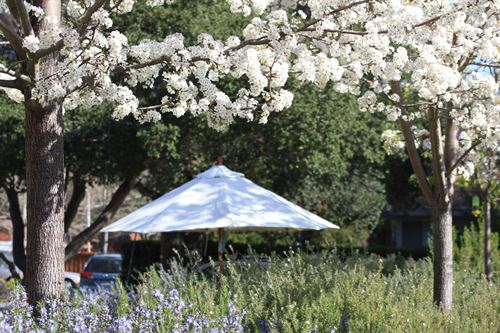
<point x="297" y="292"/>
<point x="320" y="292"/>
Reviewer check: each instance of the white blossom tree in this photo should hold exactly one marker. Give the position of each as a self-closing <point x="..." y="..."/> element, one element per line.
<point x="416" y="61"/>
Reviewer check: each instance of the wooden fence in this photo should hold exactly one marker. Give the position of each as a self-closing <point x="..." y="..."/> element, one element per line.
<point x="75" y="263"/>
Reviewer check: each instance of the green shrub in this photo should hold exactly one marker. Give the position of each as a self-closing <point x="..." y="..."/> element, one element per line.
<point x="312" y="292"/>
<point x="469" y="254"/>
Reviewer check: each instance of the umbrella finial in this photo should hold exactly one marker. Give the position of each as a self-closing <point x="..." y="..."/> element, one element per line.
<point x="219" y="160"/>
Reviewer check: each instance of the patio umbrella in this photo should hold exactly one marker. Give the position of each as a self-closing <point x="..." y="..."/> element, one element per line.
<point x="219" y="199"/>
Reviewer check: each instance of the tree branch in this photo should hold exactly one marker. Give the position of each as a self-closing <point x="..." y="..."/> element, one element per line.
<point x="82" y="26"/>
<point x="15" y="74"/>
<point x="461" y="158"/>
<point x="413" y="154"/>
<point x="16" y="218"/>
<point x="87" y="16"/>
<point x="11" y="35"/>
<point x="104" y="218"/>
<point x="438" y="163"/>
<point x="74" y="203"/>
<point x="14" y="84"/>
<point x="485" y="64"/>
<point x="10" y="264"/>
<point x="45" y="52"/>
<point x="250" y="42"/>
<point x="24" y="17"/>
<point x="450" y="142"/>
<point x="332" y="12"/>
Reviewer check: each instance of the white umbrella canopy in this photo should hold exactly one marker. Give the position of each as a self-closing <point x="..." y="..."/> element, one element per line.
<point x="219" y="199"/>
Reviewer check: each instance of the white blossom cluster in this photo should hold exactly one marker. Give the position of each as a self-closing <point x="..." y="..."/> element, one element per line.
<point x="437" y="53"/>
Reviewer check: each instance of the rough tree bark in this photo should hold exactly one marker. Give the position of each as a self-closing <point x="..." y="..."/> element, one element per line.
<point x="17" y="229"/>
<point x="44" y="177"/>
<point x="45" y="204"/>
<point x="442" y="242"/>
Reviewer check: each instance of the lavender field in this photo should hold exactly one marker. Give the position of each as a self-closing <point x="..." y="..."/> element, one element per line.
<point x="293" y="293"/>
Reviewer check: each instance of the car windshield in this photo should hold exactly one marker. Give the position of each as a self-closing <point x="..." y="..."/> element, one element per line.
<point x="104" y="265"/>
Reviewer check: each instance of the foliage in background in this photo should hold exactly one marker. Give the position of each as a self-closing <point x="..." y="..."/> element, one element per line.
<point x="469" y="254"/>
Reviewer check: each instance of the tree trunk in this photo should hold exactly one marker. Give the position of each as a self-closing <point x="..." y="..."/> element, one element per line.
<point x="44" y="170"/>
<point x="444" y="157"/>
<point x="487" y="239"/>
<point x="17" y="229"/>
<point x="443" y="254"/>
<point x="45" y="184"/>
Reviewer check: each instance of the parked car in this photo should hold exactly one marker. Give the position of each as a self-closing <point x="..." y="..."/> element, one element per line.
<point x="101" y="271"/>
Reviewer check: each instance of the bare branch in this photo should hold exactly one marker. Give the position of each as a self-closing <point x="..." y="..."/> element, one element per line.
<point x="74" y="203"/>
<point x="45" y="52"/>
<point x="485" y="64"/>
<point x="15" y="74"/>
<point x="14" y="84"/>
<point x="437" y="150"/>
<point x="451" y="140"/>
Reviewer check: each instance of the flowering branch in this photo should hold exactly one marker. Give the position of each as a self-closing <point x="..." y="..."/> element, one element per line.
<point x="82" y="29"/>
<point x="87" y="16"/>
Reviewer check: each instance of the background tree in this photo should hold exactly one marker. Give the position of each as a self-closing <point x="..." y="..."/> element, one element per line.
<point x="485" y="184"/>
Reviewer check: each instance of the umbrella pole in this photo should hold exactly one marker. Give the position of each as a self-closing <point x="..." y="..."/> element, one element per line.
<point x="132" y="252"/>
<point x="220" y="254"/>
